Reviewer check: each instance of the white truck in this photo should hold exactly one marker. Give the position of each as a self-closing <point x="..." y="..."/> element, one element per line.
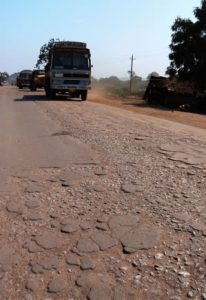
<point x="68" y="70"/>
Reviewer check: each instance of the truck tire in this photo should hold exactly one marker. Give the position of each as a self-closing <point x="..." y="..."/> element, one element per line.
<point x="33" y="87"/>
<point x="84" y="95"/>
<point x="47" y="92"/>
<point x="52" y="94"/>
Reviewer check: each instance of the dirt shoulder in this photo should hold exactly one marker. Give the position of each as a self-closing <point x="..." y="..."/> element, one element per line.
<point x="139" y="106"/>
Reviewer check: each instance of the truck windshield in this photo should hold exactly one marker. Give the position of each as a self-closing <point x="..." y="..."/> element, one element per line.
<point x="71" y="60"/>
<point x="25" y="75"/>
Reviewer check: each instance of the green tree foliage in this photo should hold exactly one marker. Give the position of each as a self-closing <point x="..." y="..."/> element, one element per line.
<point x="44" y="53"/>
<point x="188" y="48"/>
<point x="115" y="86"/>
<point x="111" y="81"/>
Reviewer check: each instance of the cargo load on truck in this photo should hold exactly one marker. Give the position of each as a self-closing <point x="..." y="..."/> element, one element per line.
<point x="174" y="93"/>
<point x="68" y="70"/>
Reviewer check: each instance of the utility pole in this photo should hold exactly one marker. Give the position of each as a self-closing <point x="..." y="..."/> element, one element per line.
<point x="131" y="73"/>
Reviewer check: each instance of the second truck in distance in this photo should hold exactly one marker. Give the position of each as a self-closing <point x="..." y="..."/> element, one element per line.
<point x="68" y="70"/>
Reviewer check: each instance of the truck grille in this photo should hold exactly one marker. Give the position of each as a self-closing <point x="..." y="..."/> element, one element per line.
<point x="77" y="75"/>
<point x="71" y="81"/>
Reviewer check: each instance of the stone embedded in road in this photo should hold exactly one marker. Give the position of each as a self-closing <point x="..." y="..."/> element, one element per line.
<point x="123" y="220"/>
<point x="50" y="263"/>
<point x="27" y="297"/>
<point x="15" y="207"/>
<point x="142" y="237"/>
<point x="32" y="285"/>
<point x="53" y="215"/>
<point x="68" y="183"/>
<point x="102" y="226"/>
<point x="100" y="291"/>
<point x="70" y="178"/>
<point x="188" y="154"/>
<point x="103" y="219"/>
<point x="139" y="138"/>
<point x="198" y="225"/>
<point x="119" y="231"/>
<point x="140" y="188"/>
<point x="53" y="179"/>
<point x="47" y="241"/>
<point x="129" y="188"/>
<point x="70" y="175"/>
<point x="129" y="250"/>
<point x="74" y="250"/>
<point x="34" y="216"/>
<point x="183" y="216"/>
<point x="86" y="263"/>
<point x="121" y="293"/>
<point x="22" y="174"/>
<point x="56" y="285"/>
<point x="35" y="188"/>
<point x="100" y="172"/>
<point x="69" y="228"/>
<point x="99" y="188"/>
<point x="8" y="256"/>
<point x="54" y="224"/>
<point x="73" y="260"/>
<point x="83" y="281"/>
<point x="32" y="247"/>
<point x="85" y="225"/>
<point x="36" y="268"/>
<point x="103" y="240"/>
<point x="32" y="203"/>
<point x="87" y="246"/>
<point x="68" y="221"/>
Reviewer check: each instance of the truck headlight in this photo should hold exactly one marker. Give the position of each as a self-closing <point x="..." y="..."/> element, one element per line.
<point x="85" y="82"/>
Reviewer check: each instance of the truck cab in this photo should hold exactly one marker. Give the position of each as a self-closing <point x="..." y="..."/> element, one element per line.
<point x="24" y="79"/>
<point x="68" y="70"/>
<point x="37" y="80"/>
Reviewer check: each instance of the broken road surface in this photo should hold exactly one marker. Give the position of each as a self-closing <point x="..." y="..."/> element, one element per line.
<point x="97" y="202"/>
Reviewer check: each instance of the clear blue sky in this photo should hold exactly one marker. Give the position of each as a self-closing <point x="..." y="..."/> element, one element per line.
<point x="113" y="30"/>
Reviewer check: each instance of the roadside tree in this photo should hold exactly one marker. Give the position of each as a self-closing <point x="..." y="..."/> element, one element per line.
<point x="188" y="48"/>
<point x="44" y="53"/>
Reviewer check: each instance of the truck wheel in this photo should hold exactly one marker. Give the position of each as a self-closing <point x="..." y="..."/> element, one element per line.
<point x="20" y="87"/>
<point x="52" y="94"/>
<point x="84" y="95"/>
<point x="33" y="87"/>
<point x="47" y="91"/>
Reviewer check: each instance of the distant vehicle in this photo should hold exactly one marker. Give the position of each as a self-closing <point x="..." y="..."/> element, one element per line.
<point x="3" y="78"/>
<point x="37" y="80"/>
<point x="68" y="70"/>
<point x="5" y="82"/>
<point x="24" y="79"/>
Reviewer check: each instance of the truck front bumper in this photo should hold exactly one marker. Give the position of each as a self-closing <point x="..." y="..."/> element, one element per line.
<point x="71" y="85"/>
